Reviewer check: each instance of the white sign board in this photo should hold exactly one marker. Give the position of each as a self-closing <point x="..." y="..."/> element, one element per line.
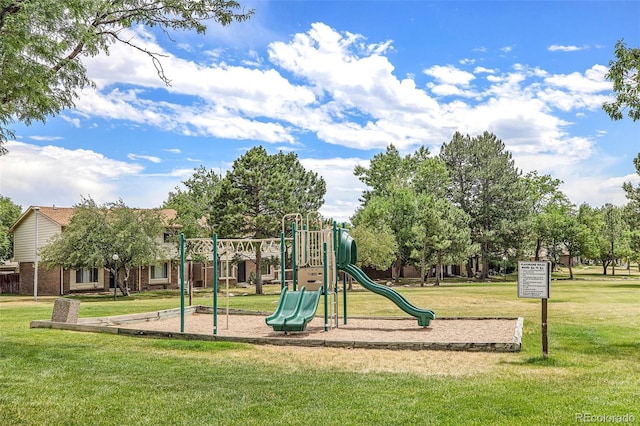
<point x="533" y="279"/>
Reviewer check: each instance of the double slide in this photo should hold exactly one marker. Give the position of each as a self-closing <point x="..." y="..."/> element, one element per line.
<point x="295" y="310"/>
<point x="424" y="316"/>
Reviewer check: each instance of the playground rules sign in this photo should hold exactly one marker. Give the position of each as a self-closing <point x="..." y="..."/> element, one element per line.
<point x="533" y="283"/>
<point x="533" y="279"/>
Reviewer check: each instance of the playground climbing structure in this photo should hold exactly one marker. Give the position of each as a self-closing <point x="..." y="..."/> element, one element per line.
<point x="316" y="254"/>
<point x="339" y="254"/>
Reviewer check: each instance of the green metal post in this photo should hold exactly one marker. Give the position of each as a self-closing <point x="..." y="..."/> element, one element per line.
<point x="182" y="283"/>
<point x="306" y="248"/>
<point x="344" y="297"/>
<point x="282" y="261"/>
<point x="344" y="281"/>
<point x="293" y="255"/>
<point x="215" y="283"/>
<point x="335" y="239"/>
<point x="325" y="288"/>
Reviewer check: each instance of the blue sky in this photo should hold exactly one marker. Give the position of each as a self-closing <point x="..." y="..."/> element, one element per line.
<point x="336" y="82"/>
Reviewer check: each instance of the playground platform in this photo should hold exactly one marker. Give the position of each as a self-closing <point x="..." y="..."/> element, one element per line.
<point x="473" y="334"/>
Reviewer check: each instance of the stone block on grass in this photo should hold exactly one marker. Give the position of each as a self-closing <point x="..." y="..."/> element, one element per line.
<point x="65" y="310"/>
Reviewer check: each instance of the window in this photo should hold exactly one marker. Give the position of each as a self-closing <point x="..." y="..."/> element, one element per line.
<point x="160" y="271"/>
<point x="85" y="276"/>
<point x="265" y="268"/>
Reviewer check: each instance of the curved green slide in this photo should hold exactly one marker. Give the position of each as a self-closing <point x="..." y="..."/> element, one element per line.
<point x="295" y="310"/>
<point x="424" y="316"/>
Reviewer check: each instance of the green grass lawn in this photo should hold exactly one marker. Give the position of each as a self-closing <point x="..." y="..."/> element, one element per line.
<point x="59" y="377"/>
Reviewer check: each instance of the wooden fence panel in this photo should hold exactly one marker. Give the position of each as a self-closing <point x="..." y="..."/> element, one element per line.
<point x="9" y="283"/>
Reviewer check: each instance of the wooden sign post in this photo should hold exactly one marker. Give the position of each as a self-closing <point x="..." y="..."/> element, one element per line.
<point x="533" y="283"/>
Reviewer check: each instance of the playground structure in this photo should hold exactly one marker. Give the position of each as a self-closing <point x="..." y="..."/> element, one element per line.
<point x="316" y="254"/>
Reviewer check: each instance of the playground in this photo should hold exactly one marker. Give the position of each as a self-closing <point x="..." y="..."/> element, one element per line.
<point x="318" y="256"/>
<point x="455" y="334"/>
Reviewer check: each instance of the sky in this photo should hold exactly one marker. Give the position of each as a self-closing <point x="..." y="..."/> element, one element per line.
<point x="336" y="82"/>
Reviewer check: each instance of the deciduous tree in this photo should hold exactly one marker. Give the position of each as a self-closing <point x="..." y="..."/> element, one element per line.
<point x="42" y="44"/>
<point x="96" y="232"/>
<point x="614" y="232"/>
<point x="9" y="213"/>
<point x="195" y="204"/>
<point x="377" y="247"/>
<point x="624" y="72"/>
<point x="389" y="179"/>
<point x="442" y="232"/>
<point x="544" y="193"/>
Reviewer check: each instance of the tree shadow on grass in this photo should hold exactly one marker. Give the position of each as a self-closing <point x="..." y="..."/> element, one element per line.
<point x="539" y="361"/>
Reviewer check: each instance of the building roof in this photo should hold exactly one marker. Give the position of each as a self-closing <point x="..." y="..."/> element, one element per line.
<point x="62" y="216"/>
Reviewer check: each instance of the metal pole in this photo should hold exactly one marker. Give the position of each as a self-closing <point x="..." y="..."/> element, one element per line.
<point x="282" y="261"/>
<point x="215" y="283"/>
<point x="36" y="209"/>
<point x="336" y="247"/>
<point x="335" y="239"/>
<point x="182" y="283"/>
<point x="304" y="244"/>
<point x="115" y="279"/>
<point x="293" y="251"/>
<point x="227" y="276"/>
<point x="344" y="297"/>
<point x="504" y="259"/>
<point x="115" y="258"/>
<point x="325" y="287"/>
<point x="545" y="340"/>
<point x="344" y="275"/>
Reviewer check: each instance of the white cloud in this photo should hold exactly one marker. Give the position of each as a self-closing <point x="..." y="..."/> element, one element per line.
<point x="596" y="190"/>
<point x="450" y="75"/>
<point x="562" y="48"/>
<point x="75" y="122"/>
<point x="184" y="46"/>
<point x="46" y="138"/>
<point x="51" y="175"/>
<point x="345" y="92"/>
<point x="478" y="70"/>
<point x="592" y="81"/>
<point x="55" y="175"/>
<point x="341" y="89"/>
<point x="150" y="158"/>
<point x="343" y="187"/>
<point x="577" y="90"/>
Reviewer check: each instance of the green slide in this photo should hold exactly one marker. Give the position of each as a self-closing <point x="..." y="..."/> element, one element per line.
<point x="424" y="316"/>
<point x="295" y="310"/>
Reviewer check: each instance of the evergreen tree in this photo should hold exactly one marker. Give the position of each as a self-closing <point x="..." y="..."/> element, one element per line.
<point x="259" y="190"/>
<point x="488" y="187"/>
